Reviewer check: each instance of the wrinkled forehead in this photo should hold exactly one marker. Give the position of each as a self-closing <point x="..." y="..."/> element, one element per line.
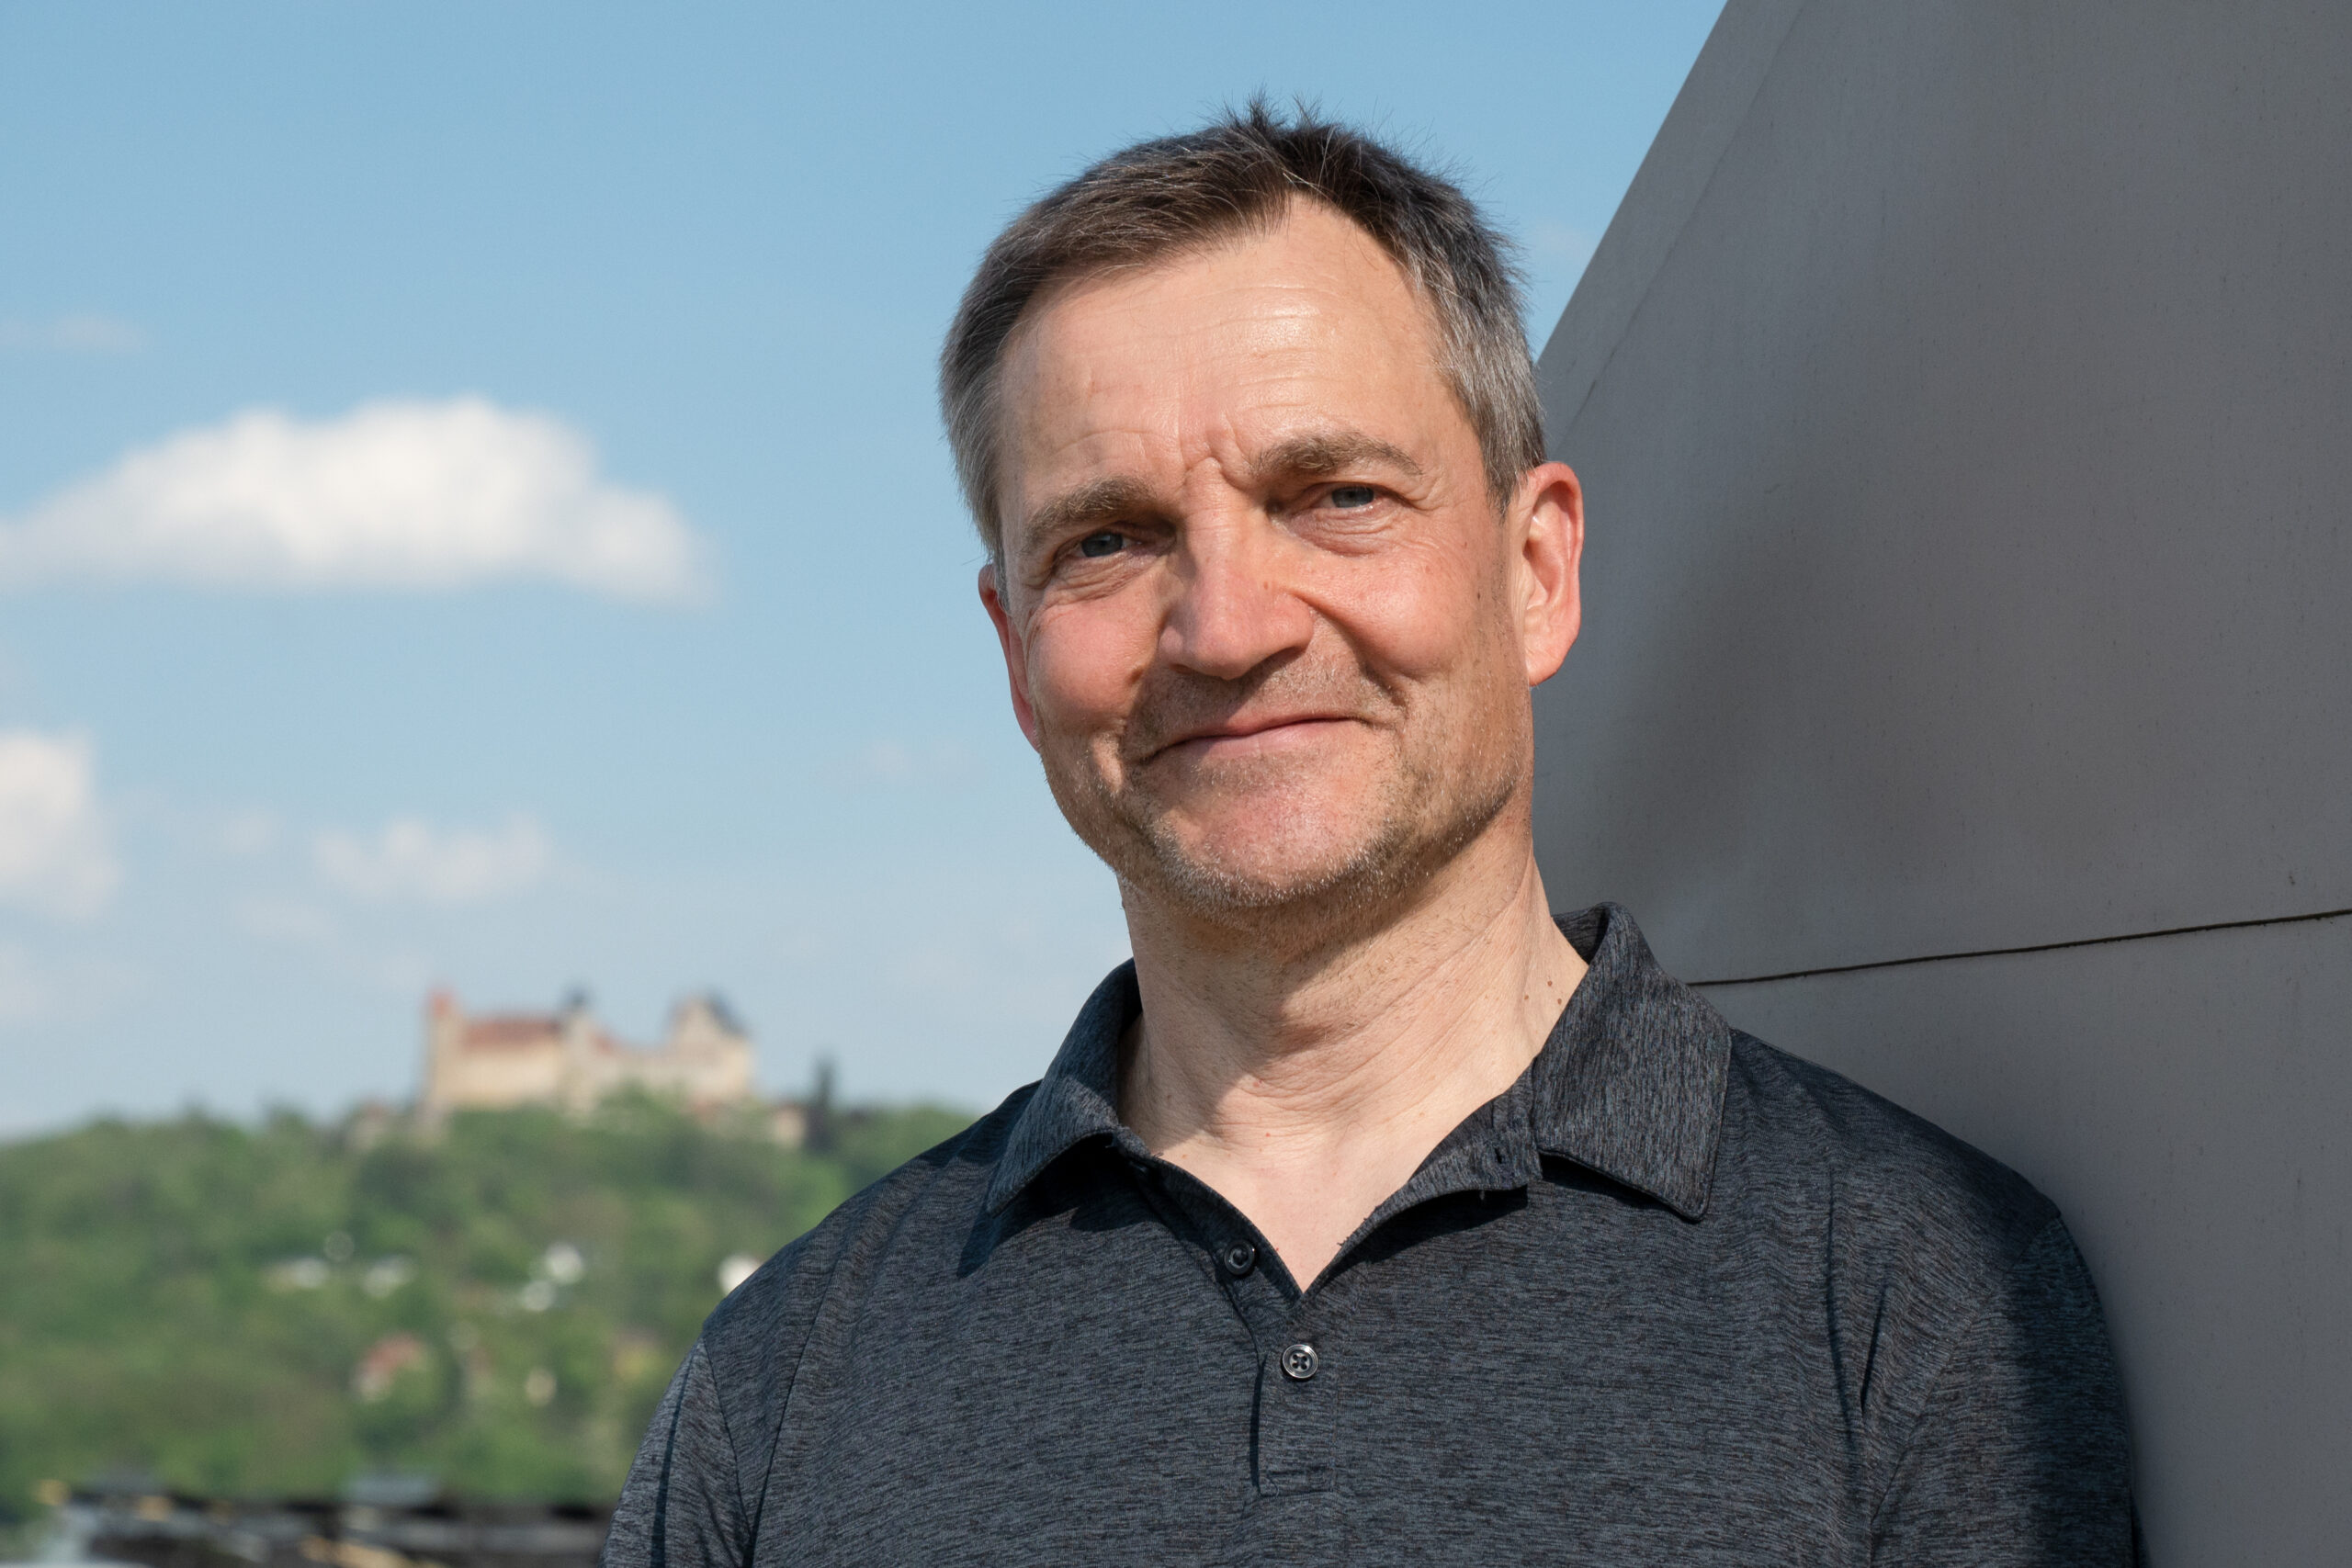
<point x="1212" y="352"/>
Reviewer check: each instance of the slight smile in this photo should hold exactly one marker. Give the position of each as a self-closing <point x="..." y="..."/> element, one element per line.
<point x="1253" y="737"/>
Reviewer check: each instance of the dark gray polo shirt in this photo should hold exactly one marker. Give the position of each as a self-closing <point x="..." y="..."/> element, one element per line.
<point x="1674" y="1297"/>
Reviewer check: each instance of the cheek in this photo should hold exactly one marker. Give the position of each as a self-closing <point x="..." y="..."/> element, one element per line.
<point x="1416" y="613"/>
<point x="1084" y="660"/>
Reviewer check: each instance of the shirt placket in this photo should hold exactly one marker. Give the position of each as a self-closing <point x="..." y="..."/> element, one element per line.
<point x="1295" y="1513"/>
<point x="1292" y="1514"/>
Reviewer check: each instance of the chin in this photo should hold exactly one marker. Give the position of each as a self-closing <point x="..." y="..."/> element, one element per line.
<point x="1252" y="871"/>
<point x="1269" y="841"/>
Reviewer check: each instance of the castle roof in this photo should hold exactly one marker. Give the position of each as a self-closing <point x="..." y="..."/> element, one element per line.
<point x="507" y="1032"/>
<point x="523" y="1031"/>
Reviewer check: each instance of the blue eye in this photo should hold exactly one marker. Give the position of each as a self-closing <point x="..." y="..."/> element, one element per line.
<point x="1103" y="543"/>
<point x="1352" y="497"/>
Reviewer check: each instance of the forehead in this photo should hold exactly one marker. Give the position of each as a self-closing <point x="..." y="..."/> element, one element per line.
<point x="1213" y="353"/>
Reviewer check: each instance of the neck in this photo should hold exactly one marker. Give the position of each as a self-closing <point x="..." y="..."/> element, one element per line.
<point x="1306" y="1083"/>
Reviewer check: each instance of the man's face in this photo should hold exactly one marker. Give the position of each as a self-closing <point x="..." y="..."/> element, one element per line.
<point x="1264" y="624"/>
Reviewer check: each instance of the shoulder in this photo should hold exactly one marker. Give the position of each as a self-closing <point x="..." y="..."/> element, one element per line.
<point x="694" y="1495"/>
<point x="1921" y="1251"/>
<point x="1895" y="1207"/>
<point x="1787" y="1119"/>
<point x="754" y="1338"/>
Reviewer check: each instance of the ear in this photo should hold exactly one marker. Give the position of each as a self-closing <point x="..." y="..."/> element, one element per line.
<point x="1016" y="661"/>
<point x="1548" y="550"/>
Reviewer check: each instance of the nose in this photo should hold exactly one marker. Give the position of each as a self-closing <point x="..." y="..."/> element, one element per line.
<point x="1233" y="611"/>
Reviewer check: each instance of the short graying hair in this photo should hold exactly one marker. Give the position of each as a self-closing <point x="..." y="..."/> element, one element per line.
<point x="1238" y="175"/>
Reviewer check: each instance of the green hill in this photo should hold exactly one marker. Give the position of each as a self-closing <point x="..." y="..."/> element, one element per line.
<point x="270" y="1310"/>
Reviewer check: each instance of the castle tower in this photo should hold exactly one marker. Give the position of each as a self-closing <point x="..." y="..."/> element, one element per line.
<point x="444" y="1028"/>
<point x="709" y="1052"/>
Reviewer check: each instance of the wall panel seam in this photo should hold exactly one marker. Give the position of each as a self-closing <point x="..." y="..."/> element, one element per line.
<point x="2033" y="947"/>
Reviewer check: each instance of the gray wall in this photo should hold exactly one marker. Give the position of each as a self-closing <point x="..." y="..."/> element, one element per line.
<point x="1963" y="397"/>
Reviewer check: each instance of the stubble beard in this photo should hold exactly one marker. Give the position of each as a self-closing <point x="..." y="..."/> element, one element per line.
<point x="1424" y="814"/>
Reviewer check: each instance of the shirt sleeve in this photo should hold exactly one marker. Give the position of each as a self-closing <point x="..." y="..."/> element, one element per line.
<point x="2020" y="1456"/>
<point x="681" y="1505"/>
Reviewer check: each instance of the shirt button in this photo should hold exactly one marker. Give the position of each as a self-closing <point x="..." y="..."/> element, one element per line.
<point x="1240" y="1257"/>
<point x="1299" y="1362"/>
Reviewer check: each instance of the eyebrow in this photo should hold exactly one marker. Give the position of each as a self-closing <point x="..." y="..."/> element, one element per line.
<point x="1320" y="454"/>
<point x="1098" y="501"/>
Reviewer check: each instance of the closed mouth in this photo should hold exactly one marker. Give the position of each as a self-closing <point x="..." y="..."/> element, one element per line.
<point x="1247" y="728"/>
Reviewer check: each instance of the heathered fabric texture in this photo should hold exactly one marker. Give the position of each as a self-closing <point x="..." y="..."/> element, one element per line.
<point x="1674" y="1297"/>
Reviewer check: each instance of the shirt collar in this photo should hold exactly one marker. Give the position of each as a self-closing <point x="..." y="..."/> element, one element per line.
<point x="1078" y="1097"/>
<point x="1629" y="1084"/>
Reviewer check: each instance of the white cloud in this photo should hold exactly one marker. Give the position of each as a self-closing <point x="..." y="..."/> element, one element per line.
<point x="392" y="495"/>
<point x="83" y="333"/>
<point x="409" y="859"/>
<point x="54" y="852"/>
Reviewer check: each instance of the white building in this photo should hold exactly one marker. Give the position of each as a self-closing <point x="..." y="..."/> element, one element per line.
<point x="497" y="1061"/>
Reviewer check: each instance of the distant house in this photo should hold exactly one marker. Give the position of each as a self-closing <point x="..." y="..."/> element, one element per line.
<point x="567" y="1059"/>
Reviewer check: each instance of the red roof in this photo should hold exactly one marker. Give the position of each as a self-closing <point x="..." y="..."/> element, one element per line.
<point x="510" y="1031"/>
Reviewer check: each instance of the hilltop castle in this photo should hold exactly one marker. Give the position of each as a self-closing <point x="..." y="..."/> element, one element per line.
<point x="566" y="1059"/>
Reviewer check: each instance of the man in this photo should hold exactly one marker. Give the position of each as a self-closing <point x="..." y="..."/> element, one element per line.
<point x="1370" y="1215"/>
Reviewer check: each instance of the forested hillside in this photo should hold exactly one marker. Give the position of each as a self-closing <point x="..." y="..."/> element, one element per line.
<point x="271" y="1310"/>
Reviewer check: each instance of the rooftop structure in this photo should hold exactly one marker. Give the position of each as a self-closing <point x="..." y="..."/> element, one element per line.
<point x="408" y="1524"/>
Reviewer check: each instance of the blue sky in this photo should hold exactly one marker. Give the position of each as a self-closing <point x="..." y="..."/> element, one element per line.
<point x="472" y="509"/>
